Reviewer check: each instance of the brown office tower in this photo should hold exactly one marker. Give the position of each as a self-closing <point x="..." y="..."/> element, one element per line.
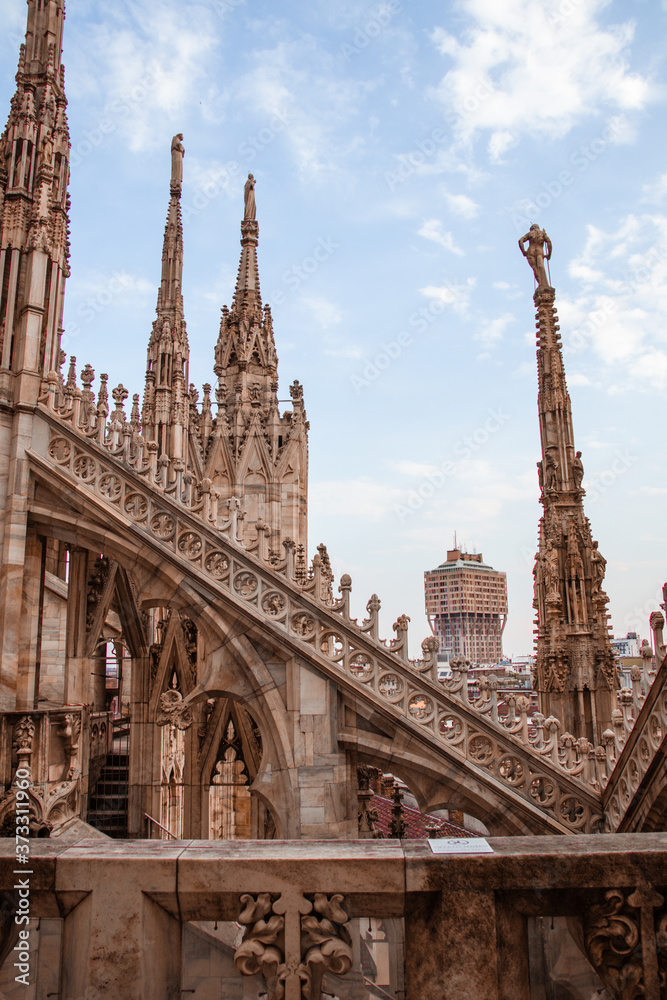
<point x="466" y="605"/>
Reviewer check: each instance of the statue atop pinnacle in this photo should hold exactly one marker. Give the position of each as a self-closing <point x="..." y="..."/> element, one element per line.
<point x="177" y="154"/>
<point x="250" y="210"/>
<point x="537" y="239"/>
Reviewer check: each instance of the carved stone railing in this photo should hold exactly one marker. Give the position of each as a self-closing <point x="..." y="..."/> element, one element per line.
<point x="548" y="772"/>
<point x="641" y="762"/>
<point x="478" y="927"/>
<point x="45" y="755"/>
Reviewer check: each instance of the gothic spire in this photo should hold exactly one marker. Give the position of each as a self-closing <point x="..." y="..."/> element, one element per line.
<point x="575" y="674"/>
<point x="245" y="341"/>
<point x="34" y="173"/>
<point x="166" y="404"/>
<point x="44" y="37"/>
<point x="253" y="454"/>
<point x="247" y="294"/>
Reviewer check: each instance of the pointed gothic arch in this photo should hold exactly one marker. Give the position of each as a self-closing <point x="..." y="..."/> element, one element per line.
<point x="232" y="753"/>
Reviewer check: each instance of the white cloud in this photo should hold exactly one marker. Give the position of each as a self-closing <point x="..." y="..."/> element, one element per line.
<point x="499" y="143"/>
<point x="414" y="469"/>
<point x="656" y="192"/>
<point x="451" y="293"/>
<point x="461" y="204"/>
<point x="326" y="314"/>
<point x="509" y="291"/>
<point x="432" y="230"/>
<point x="298" y="79"/>
<point x="151" y="63"/>
<point x="620" y="314"/>
<point x="517" y="69"/>
<point x="493" y="330"/>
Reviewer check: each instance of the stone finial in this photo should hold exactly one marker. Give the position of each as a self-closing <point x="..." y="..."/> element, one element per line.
<point x="657" y="623"/>
<point x="87" y="377"/>
<point x="646" y="650"/>
<point x="103" y="395"/>
<point x="70" y="384"/>
<point x="296" y="390"/>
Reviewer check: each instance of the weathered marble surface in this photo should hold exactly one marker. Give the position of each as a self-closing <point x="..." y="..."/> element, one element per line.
<point x="465" y="916"/>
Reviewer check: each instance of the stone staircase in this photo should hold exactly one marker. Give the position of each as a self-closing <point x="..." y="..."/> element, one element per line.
<point x="108" y="807"/>
<point x="554" y="776"/>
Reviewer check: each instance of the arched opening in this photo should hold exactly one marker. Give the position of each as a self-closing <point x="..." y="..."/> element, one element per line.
<point x="230" y="809"/>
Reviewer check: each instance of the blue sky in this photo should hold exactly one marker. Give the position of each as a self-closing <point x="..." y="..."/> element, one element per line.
<point x="413" y="144"/>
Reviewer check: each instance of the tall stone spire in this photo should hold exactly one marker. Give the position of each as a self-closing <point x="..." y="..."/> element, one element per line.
<point x="34" y="263"/>
<point x="254" y="453"/>
<point x="166" y="409"/>
<point x="34" y="173"/>
<point x="575" y="673"/>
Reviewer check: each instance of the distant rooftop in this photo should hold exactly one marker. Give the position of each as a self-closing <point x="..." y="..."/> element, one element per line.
<point x="456" y="559"/>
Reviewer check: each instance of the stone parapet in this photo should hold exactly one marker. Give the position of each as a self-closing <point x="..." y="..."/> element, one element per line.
<point x="466" y="917"/>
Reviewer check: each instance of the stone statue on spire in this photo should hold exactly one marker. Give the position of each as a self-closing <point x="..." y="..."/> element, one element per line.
<point x="249" y="198"/>
<point x="537" y="239"/>
<point x="177" y="154"/>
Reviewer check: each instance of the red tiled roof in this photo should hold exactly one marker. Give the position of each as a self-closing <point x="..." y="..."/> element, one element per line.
<point x="415" y="822"/>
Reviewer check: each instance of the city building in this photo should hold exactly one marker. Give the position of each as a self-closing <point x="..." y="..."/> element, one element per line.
<point x="466" y="605"/>
<point x="628" y="651"/>
<point x="190" y="711"/>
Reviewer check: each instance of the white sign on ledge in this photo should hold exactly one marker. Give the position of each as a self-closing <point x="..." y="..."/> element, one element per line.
<point x="461" y="845"/>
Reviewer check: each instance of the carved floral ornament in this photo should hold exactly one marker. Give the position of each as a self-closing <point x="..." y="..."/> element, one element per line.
<point x="294" y="940"/>
<point x="625" y="938"/>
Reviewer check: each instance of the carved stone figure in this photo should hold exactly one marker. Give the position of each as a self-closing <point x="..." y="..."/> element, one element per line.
<point x="577" y="470"/>
<point x="249" y="197"/>
<point x="550" y="569"/>
<point x="575" y="562"/>
<point x="598" y="566"/>
<point x="552" y="472"/>
<point x="537" y="239"/>
<point x="177" y="154"/>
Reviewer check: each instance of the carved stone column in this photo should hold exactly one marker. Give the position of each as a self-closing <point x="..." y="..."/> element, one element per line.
<point x="77" y="669"/>
<point x="451" y="950"/>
